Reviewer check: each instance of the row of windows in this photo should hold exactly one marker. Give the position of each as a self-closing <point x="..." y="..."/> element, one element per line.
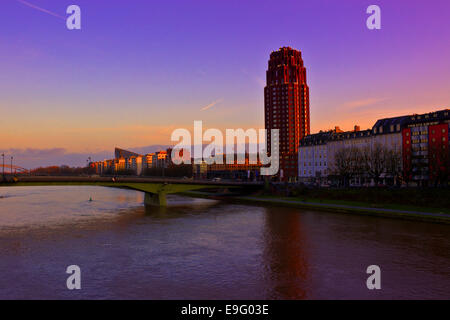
<point x="434" y="131"/>
<point x="317" y="164"/>
<point x="302" y="156"/>
<point x="392" y="128"/>
<point x="419" y="140"/>
<point x="427" y="116"/>
<point x="318" y="171"/>
<point x="443" y="139"/>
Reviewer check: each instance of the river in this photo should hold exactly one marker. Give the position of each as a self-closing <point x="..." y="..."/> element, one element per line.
<point x="207" y="249"/>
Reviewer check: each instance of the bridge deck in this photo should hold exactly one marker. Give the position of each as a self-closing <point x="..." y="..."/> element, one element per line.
<point x="95" y="179"/>
<point x="155" y="189"/>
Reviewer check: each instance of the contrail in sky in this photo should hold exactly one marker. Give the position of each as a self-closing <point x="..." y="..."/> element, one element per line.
<point x="212" y="104"/>
<point x="40" y="9"/>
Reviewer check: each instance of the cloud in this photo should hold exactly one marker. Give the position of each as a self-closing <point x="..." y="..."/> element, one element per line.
<point x="257" y="79"/>
<point x="41" y="9"/>
<point x="356" y="104"/>
<point x="29" y="158"/>
<point x="212" y="104"/>
<point x="33" y="157"/>
<point x="37" y="153"/>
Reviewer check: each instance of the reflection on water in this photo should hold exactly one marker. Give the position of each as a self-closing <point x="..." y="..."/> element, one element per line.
<point x="48" y="206"/>
<point x="285" y="254"/>
<point x="202" y="249"/>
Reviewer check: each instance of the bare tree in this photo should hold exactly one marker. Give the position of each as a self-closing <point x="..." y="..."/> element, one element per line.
<point x="342" y="165"/>
<point x="393" y="163"/>
<point x="348" y="164"/>
<point x="358" y="167"/>
<point x="439" y="165"/>
<point x="375" y="161"/>
<point x="369" y="161"/>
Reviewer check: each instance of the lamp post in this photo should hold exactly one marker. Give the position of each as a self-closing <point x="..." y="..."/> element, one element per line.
<point x="3" y="172"/>
<point x="10" y="170"/>
<point x="88" y="160"/>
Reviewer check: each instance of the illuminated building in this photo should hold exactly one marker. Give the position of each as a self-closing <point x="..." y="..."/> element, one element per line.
<point x="422" y="142"/>
<point x="286" y="104"/>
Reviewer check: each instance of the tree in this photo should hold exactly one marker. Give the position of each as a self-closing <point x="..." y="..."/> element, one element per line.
<point x="369" y="161"/>
<point x="357" y="165"/>
<point x="393" y="163"/>
<point x="342" y="166"/>
<point x="378" y="160"/>
<point x="439" y="165"/>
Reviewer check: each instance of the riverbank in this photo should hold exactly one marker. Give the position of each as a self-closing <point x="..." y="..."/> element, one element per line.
<point x="388" y="197"/>
<point x="418" y="214"/>
<point x="408" y="213"/>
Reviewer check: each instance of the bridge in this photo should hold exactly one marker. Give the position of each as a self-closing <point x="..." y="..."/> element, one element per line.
<point x="12" y="169"/>
<point x="155" y="189"/>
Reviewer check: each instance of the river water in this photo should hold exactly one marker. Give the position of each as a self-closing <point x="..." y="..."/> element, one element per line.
<point x="206" y="249"/>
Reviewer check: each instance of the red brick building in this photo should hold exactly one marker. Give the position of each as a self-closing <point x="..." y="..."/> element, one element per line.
<point x="438" y="151"/>
<point x="286" y="104"/>
<point x="426" y="147"/>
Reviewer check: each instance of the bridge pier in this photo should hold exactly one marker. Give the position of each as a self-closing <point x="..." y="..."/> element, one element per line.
<point x="155" y="199"/>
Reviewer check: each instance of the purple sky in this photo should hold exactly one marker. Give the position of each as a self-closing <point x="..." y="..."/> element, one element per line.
<point x="139" y="69"/>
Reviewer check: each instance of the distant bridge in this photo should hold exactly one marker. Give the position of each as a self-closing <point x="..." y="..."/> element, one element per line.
<point x="12" y="169"/>
<point x="156" y="189"/>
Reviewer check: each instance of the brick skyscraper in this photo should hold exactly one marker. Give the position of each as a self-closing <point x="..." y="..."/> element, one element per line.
<point x="286" y="105"/>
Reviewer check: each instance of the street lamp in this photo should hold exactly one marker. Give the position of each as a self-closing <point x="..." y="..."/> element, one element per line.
<point x="3" y="155"/>
<point x="88" y="160"/>
<point x="10" y="170"/>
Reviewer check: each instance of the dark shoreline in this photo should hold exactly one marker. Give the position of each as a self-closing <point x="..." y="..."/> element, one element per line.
<point x="332" y="208"/>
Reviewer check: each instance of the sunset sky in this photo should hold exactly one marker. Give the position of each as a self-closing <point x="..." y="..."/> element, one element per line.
<point x="139" y="69"/>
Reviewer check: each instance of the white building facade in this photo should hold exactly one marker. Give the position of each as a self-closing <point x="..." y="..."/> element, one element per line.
<point x="313" y="157"/>
<point x="317" y="151"/>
